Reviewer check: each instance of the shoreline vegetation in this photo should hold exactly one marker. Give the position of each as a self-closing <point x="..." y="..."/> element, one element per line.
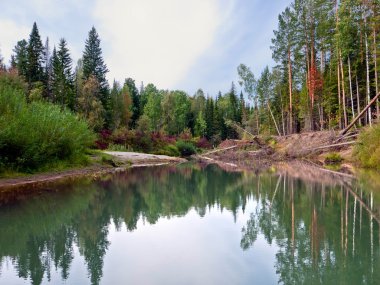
<point x="55" y="116"/>
<point x="232" y="155"/>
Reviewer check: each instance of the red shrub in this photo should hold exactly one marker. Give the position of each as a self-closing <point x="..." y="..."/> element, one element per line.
<point x="203" y="143"/>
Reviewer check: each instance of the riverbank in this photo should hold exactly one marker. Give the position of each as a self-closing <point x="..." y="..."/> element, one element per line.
<point x="260" y="154"/>
<point x="257" y="155"/>
<point x="111" y="162"/>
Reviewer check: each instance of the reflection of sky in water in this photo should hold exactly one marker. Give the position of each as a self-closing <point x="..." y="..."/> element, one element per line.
<point x="179" y="250"/>
<point x="294" y="232"/>
<point x="189" y="250"/>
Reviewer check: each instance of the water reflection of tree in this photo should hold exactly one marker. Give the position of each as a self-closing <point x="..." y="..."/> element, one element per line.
<point x="40" y="233"/>
<point x="314" y="227"/>
<point x="311" y="224"/>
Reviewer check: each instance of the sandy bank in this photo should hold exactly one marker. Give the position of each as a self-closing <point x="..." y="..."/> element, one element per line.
<point x="122" y="161"/>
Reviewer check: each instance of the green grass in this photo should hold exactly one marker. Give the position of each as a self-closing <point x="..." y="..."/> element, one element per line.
<point x="367" y="148"/>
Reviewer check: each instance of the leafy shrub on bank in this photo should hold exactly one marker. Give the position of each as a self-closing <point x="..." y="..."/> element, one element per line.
<point x="367" y="148"/>
<point x="37" y="134"/>
<point x="333" y="158"/>
<point x="118" y="147"/>
<point x="202" y="143"/>
<point x="185" y="148"/>
<point x="170" y="150"/>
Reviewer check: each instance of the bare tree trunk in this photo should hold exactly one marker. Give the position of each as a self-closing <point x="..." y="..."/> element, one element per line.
<point x="257" y="117"/>
<point x="353" y="230"/>
<point x="322" y="63"/>
<point x="361" y="212"/>
<point x="322" y="73"/>
<point x="367" y="67"/>
<point x="358" y="97"/>
<point x="346" y="229"/>
<point x="341" y="220"/>
<point x="320" y="111"/>
<point x="339" y="103"/>
<point x="371" y="231"/>
<point x="350" y="79"/>
<point x="361" y="114"/>
<point x="343" y="91"/>
<point x="274" y="120"/>
<point x="312" y="84"/>
<point x="290" y="93"/>
<point x="282" y="118"/>
<point x="375" y="62"/>
<point x="293" y="218"/>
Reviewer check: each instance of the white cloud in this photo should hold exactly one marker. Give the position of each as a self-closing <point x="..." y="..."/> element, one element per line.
<point x="156" y="41"/>
<point x="10" y="33"/>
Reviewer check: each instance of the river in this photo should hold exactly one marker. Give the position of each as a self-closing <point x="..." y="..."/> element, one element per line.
<point x="191" y="224"/>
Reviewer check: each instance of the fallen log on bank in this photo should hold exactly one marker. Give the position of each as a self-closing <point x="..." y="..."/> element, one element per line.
<point x="220" y="150"/>
<point x="331" y="145"/>
<point x="374" y="99"/>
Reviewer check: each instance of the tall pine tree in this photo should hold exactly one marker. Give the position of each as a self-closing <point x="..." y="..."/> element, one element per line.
<point x="47" y="70"/>
<point x="35" y="57"/>
<point x="134" y="93"/>
<point x="62" y="77"/>
<point x="2" y="65"/>
<point x="21" y="57"/>
<point x="93" y="64"/>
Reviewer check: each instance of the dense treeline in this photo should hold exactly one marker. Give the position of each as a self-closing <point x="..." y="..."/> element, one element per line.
<point x="326" y="73"/>
<point x="123" y="109"/>
<point x="327" y="68"/>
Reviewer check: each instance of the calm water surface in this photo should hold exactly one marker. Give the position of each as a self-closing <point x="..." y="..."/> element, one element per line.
<point x="191" y="224"/>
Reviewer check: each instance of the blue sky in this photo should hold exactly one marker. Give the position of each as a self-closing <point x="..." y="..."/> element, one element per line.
<point x="175" y="44"/>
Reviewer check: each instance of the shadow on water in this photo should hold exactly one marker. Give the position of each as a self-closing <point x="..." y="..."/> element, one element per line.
<point x="326" y="229"/>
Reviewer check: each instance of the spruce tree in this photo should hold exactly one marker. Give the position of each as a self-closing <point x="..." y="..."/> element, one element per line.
<point x="57" y="79"/>
<point x="21" y="57"/>
<point x="93" y="64"/>
<point x="62" y="77"/>
<point x="233" y="112"/>
<point x="209" y="118"/>
<point x="13" y="62"/>
<point x="220" y="124"/>
<point x="35" y="57"/>
<point x="242" y="109"/>
<point x="135" y="101"/>
<point x="2" y="65"/>
<point x="65" y="60"/>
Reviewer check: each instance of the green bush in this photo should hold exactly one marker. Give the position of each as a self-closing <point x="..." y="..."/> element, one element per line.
<point x="367" y="148"/>
<point x="186" y="148"/>
<point x="333" y="158"/>
<point x="170" y="150"/>
<point x="118" y="147"/>
<point x="38" y="134"/>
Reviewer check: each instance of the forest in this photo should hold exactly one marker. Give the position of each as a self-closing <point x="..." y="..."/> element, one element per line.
<point x="326" y="72"/>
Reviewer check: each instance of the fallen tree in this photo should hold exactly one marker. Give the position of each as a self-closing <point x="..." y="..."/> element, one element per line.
<point x="374" y="99"/>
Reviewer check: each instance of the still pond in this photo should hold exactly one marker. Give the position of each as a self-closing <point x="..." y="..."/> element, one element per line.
<point x="191" y="224"/>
